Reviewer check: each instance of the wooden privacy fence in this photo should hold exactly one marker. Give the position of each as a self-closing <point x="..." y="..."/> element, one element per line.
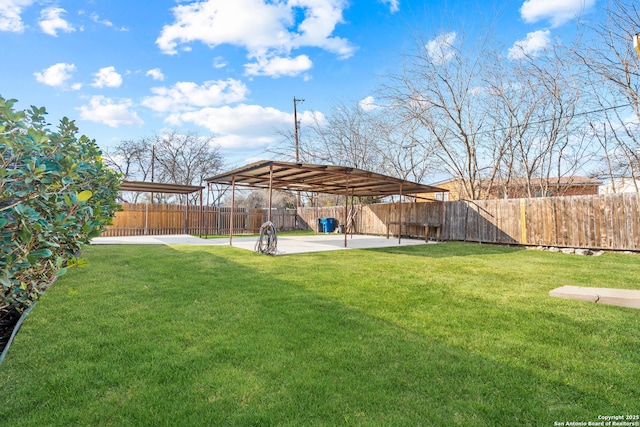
<point x="610" y="221"/>
<point x="155" y="219"/>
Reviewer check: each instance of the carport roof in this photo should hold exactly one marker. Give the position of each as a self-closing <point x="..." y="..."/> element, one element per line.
<point x="158" y="187"/>
<point x="319" y="179"/>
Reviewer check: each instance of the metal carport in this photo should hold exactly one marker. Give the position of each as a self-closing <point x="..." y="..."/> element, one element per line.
<point x="158" y="187"/>
<point x="341" y="180"/>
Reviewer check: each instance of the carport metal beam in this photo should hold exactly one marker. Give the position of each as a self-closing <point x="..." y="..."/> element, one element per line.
<point x="233" y="207"/>
<point x="346" y="208"/>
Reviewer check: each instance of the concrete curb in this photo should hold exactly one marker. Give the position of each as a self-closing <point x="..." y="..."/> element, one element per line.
<point x="619" y="297"/>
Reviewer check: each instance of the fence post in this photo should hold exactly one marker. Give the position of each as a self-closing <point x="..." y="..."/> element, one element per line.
<point x="146" y="219"/>
<point x="218" y="210"/>
<point x="523" y="223"/>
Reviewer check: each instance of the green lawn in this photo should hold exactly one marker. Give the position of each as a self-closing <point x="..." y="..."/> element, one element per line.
<point x="448" y="334"/>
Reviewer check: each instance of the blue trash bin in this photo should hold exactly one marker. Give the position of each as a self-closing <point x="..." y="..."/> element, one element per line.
<point x="328" y="225"/>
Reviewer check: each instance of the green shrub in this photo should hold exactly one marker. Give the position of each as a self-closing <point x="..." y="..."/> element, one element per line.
<point x="55" y="195"/>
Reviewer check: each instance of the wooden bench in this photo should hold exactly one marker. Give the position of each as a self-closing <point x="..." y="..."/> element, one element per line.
<point x="426" y="227"/>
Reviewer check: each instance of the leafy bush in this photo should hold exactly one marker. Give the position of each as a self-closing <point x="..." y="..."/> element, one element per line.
<point x="55" y="195"/>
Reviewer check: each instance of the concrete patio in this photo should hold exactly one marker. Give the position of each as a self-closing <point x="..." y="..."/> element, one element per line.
<point x="287" y="245"/>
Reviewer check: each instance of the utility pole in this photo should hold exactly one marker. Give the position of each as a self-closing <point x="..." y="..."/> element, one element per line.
<point x="295" y="133"/>
<point x="295" y="126"/>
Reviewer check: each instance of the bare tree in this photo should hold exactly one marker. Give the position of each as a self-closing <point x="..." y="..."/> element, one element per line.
<point x="132" y="158"/>
<point x="442" y="89"/>
<point x="363" y="136"/>
<point x="398" y="143"/>
<point x="493" y="122"/>
<point x="549" y="144"/>
<point x="613" y="71"/>
<point x="185" y="158"/>
<point x="344" y="137"/>
<point x="259" y="199"/>
<point x="170" y="157"/>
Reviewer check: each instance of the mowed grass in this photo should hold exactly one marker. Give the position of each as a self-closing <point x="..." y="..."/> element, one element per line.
<point x="447" y="334"/>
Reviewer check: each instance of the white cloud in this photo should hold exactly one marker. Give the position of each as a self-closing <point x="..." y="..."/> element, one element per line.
<point x="279" y="66"/>
<point x="57" y="75"/>
<point x="109" y="112"/>
<point x="368" y="104"/>
<point x="440" y="49"/>
<point x="219" y="62"/>
<point x="51" y="21"/>
<point x="533" y="44"/>
<point x="96" y="18"/>
<point x="186" y="96"/>
<point x="155" y="74"/>
<point x="10" y="11"/>
<point x="394" y="5"/>
<point x="321" y="18"/>
<point x="107" y="77"/>
<point x="243" y="127"/>
<point x="247" y="126"/>
<point x="266" y="29"/>
<point x="557" y="12"/>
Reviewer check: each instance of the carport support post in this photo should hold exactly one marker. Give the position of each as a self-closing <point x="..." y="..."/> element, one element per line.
<point x="208" y="220"/>
<point x="352" y="210"/>
<point x="270" y="191"/>
<point x="201" y="215"/>
<point x="315" y="207"/>
<point x="233" y="207"/>
<point x="346" y="207"/>
<point x="400" y="220"/>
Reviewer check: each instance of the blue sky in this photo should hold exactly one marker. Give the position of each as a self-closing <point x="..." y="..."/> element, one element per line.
<point x="124" y="69"/>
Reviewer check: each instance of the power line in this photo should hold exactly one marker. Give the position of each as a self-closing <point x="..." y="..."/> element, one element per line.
<point x="583" y="113"/>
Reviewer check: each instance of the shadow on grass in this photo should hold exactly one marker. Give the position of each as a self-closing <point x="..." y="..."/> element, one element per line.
<point x="450" y="249"/>
<point x="209" y="336"/>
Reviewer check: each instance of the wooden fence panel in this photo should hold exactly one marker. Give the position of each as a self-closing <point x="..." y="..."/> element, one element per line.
<point x="609" y="221"/>
<point x="151" y="219"/>
<point x="156" y="219"/>
<point x="373" y="219"/>
<point x="455" y="221"/>
<point x="283" y="219"/>
<point x="308" y="217"/>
